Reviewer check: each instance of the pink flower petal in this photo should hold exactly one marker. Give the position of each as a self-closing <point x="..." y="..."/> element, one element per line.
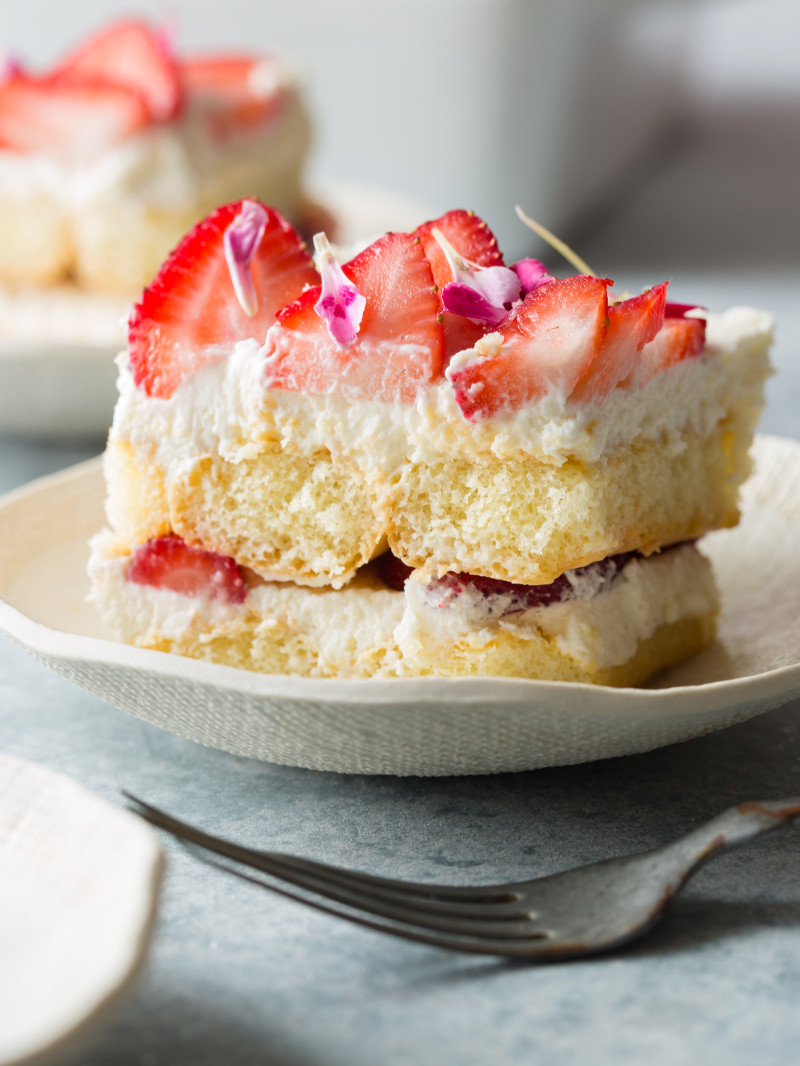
<point x="498" y="284"/>
<point x="462" y="299"/>
<point x="168" y="34"/>
<point x="10" y="68"/>
<point x="532" y="274"/>
<point x="241" y="241"/>
<point x="341" y="305"/>
<point x="495" y="289"/>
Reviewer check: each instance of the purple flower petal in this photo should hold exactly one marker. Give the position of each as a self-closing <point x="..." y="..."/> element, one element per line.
<point x="531" y="273"/>
<point x="341" y="305"/>
<point x="168" y="34"/>
<point x="462" y="299"/>
<point x="10" y="68"/>
<point x="241" y="241"/>
<point x="496" y="288"/>
<point x="498" y="284"/>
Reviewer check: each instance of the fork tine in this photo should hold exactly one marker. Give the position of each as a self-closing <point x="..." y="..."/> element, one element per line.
<point x="411" y="902"/>
<point x="532" y="945"/>
<point x="334" y="874"/>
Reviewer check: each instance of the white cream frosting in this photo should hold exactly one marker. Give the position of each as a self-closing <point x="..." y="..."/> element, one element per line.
<point x="601" y="625"/>
<point x="224" y="408"/>
<point x="339" y="622"/>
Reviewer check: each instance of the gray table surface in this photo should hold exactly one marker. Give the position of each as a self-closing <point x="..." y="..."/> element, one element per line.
<point x="238" y="975"/>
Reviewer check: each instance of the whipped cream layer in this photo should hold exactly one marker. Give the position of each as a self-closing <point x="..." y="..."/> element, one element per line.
<point x="361" y="616"/>
<point x="600" y="626"/>
<point x="225" y="409"/>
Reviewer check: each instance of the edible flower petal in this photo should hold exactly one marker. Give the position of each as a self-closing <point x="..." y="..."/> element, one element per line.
<point x="532" y="274"/>
<point x="341" y="305"/>
<point x="497" y="287"/>
<point x="241" y="240"/>
<point x="463" y="299"/>
<point x="168" y="34"/>
<point x="10" y="68"/>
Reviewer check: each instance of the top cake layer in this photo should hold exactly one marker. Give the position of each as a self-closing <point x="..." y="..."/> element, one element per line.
<point x="473" y="417"/>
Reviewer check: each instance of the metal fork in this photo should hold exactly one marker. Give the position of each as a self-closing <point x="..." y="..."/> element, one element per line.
<point x="579" y="912"/>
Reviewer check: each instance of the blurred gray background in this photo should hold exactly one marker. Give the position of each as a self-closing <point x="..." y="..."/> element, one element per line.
<point x="573" y="108"/>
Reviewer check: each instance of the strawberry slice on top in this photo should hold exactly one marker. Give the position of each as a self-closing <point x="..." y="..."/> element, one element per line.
<point x="190" y="315"/>
<point x="679" y="338"/>
<point x="131" y="55"/>
<point x="544" y="348"/>
<point x="473" y="239"/>
<point x="398" y="348"/>
<point x="75" y="120"/>
<point x="468" y="233"/>
<point x="632" y="324"/>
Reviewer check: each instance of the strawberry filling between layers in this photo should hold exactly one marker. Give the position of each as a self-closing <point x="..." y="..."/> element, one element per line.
<point x="169" y="563"/>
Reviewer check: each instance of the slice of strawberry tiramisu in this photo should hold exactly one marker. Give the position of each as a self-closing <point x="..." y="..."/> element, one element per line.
<point x="422" y="461"/>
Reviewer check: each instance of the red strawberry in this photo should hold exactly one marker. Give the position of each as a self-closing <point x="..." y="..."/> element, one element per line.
<point x="190" y="316"/>
<point x="399" y="343"/>
<point x="228" y="86"/>
<point x="473" y="239"/>
<point x="631" y="325"/>
<point x="678" y="339"/>
<point x="548" y="343"/>
<point x="468" y="234"/>
<point x="78" y="119"/>
<point x="130" y="55"/>
<point x="170" y="563"/>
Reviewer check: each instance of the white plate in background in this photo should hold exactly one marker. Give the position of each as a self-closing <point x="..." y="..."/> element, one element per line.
<point x="79" y="882"/>
<point x="424" y="726"/>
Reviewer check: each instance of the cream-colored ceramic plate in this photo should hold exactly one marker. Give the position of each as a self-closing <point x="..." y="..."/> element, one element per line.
<point x="79" y="882"/>
<point x="415" y="726"/>
<point x="57" y="372"/>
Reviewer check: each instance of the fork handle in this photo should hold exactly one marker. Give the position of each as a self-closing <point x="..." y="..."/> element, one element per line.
<point x="734" y="826"/>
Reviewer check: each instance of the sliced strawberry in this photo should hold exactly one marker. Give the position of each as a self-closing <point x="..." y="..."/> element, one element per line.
<point x="631" y="325"/>
<point x="399" y="344"/>
<point x="190" y="316"/>
<point x="678" y="339"/>
<point x="548" y="343"/>
<point x="468" y="234"/>
<point x="235" y="90"/>
<point x="131" y="55"/>
<point x="473" y="239"/>
<point x="170" y="563"/>
<point x="80" y="119"/>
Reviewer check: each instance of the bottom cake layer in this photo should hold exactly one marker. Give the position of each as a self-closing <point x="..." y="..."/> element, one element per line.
<point x="616" y="622"/>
